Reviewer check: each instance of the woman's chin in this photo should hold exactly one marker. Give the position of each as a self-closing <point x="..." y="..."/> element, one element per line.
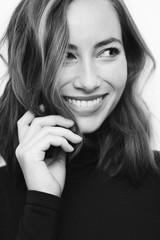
<point x="87" y="126"/>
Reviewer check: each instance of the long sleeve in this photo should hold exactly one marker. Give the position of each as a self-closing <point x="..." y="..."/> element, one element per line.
<point x="42" y="214"/>
<point x="27" y="215"/>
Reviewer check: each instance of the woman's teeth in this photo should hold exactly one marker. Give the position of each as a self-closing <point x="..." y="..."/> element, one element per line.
<point x="82" y="103"/>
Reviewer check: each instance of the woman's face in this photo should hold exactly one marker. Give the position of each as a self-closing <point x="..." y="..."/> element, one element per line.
<point x="95" y="73"/>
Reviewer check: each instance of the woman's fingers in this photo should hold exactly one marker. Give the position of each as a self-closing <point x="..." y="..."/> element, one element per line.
<point x="44" y="144"/>
<point x="52" y="120"/>
<point x="36" y="136"/>
<point x="36" y="152"/>
<point x="54" y="131"/>
<point x="23" y="124"/>
<point x="35" y="124"/>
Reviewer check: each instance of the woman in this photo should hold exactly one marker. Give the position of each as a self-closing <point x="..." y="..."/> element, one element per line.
<point x="74" y="131"/>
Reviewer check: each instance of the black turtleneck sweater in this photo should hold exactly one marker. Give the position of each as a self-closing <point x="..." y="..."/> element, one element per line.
<point x="92" y="207"/>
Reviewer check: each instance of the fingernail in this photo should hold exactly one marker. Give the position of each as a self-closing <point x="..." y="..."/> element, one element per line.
<point x="42" y="108"/>
<point x="71" y="148"/>
<point x="79" y="137"/>
<point x="70" y="121"/>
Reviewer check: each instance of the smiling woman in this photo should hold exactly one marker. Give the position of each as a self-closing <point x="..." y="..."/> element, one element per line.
<point x="73" y="126"/>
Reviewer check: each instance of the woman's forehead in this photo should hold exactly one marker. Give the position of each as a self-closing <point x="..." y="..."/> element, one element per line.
<point x="92" y="21"/>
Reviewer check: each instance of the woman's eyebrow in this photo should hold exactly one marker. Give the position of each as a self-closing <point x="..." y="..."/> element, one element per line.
<point x="107" y="41"/>
<point x="72" y="47"/>
<point x="97" y="45"/>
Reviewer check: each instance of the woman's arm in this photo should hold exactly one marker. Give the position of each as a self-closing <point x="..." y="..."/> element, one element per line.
<point x="45" y="178"/>
<point x="41" y="218"/>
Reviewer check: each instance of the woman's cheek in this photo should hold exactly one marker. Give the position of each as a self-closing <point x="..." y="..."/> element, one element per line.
<point x="67" y="75"/>
<point x="115" y="73"/>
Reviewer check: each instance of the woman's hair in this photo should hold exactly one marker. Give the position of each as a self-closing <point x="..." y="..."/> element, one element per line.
<point x="126" y="133"/>
<point x="37" y="38"/>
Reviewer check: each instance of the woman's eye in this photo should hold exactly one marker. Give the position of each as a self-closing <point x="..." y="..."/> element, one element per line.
<point x="70" y="57"/>
<point x="109" y="53"/>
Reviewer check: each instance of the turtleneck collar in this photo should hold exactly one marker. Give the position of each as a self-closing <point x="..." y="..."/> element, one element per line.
<point x="89" y="153"/>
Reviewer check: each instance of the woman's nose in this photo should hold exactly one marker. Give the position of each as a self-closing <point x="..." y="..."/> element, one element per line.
<point x="87" y="79"/>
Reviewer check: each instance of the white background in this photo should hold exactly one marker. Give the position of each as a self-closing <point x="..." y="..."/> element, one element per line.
<point x="146" y="14"/>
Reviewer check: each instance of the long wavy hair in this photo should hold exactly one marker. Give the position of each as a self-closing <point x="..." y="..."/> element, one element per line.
<point x="37" y="38"/>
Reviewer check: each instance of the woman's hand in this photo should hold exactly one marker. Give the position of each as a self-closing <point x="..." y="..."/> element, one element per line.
<point x="36" y="135"/>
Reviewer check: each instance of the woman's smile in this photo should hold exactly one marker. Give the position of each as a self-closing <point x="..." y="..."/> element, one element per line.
<point x="85" y="105"/>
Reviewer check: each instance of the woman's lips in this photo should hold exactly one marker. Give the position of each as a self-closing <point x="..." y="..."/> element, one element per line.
<point x="85" y="105"/>
<point x="85" y="98"/>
